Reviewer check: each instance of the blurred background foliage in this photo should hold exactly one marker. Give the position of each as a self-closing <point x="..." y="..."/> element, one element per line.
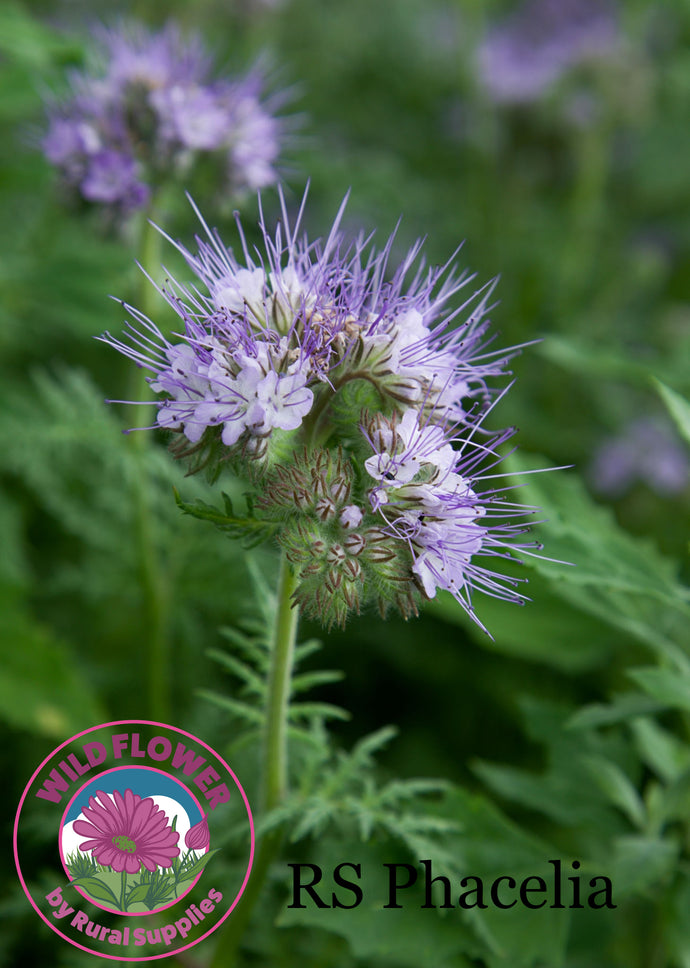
<point x="567" y="735"/>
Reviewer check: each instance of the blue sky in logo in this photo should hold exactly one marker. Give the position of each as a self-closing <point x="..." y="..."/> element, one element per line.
<point x="141" y="780"/>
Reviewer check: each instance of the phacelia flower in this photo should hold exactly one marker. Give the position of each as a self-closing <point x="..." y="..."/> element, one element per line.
<point x="147" y="108"/>
<point x="355" y="397"/>
<point x="125" y="832"/>
<point x="522" y="57"/>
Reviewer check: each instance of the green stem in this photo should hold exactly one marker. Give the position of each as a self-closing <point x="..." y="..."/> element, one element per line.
<point x="275" y="761"/>
<point x="279" y="683"/>
<point x="153" y="584"/>
<point x="583" y="242"/>
<point x="123" y="890"/>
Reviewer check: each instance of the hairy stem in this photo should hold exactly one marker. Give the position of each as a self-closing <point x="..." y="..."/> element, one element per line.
<point x="274" y="765"/>
<point x="152" y="580"/>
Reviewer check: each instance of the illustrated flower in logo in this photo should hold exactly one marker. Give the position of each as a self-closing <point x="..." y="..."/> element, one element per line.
<point x="198" y="837"/>
<point x="125" y="832"/>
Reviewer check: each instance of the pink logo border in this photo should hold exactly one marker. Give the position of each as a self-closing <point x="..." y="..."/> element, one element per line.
<point x="133" y="722"/>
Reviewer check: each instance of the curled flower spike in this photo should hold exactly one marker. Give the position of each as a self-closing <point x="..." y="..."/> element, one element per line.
<point x="147" y="108"/>
<point x="354" y="395"/>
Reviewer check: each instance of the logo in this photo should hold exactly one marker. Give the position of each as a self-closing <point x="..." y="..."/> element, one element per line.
<point x="134" y="840"/>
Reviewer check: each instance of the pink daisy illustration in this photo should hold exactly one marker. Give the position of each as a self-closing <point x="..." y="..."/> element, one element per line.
<point x="125" y="832"/>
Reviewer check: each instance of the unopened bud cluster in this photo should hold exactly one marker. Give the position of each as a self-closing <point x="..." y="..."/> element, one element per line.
<point x="341" y="554"/>
<point x="353" y="398"/>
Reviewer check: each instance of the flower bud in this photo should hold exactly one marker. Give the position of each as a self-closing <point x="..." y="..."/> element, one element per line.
<point x="198" y="837"/>
<point x="336" y="554"/>
<point x="352" y="569"/>
<point x="351" y="516"/>
<point x="340" y="490"/>
<point x="354" y="544"/>
<point x="325" y="509"/>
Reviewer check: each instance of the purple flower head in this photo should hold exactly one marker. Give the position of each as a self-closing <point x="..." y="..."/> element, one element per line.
<point x="280" y="332"/>
<point x="148" y="107"/>
<point x="522" y="57"/>
<point x="125" y="832"/>
<point x="647" y="451"/>
<point x="353" y="395"/>
<point x="429" y="493"/>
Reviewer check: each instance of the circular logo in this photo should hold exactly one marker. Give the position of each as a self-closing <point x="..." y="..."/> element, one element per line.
<point x="134" y="840"/>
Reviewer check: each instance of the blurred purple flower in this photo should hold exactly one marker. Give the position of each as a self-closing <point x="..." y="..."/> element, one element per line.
<point x="111" y="178"/>
<point x="524" y="55"/>
<point x="146" y="108"/>
<point x="647" y="451"/>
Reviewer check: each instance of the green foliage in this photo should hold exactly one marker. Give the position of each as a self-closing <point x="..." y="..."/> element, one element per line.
<point x="249" y="530"/>
<point x="566" y="736"/>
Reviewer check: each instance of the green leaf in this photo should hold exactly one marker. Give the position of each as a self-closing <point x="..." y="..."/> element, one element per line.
<point x="249" y="529"/>
<point x="659" y="749"/>
<point x="191" y="872"/>
<point x="41" y="687"/>
<point x="621" y="579"/>
<point x="252" y="714"/>
<point x="667" y="686"/>
<point x="546" y="629"/>
<point x="138" y="894"/>
<point x="96" y="889"/>
<point x="639" y="862"/>
<point x="322" y="710"/>
<point x="678" y="407"/>
<point x="675" y="803"/>
<point x="624" y="706"/>
<point x="617" y="788"/>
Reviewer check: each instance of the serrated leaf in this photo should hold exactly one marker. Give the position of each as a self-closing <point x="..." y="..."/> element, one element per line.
<point x="253" y="683"/>
<point x="242" y="709"/>
<point x="321" y="710"/>
<point x="249" y="529"/>
<point x="308" y="680"/>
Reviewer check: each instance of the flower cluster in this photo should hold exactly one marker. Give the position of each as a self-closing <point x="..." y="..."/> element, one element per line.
<point x="147" y="109"/>
<point x="526" y="54"/>
<point x="354" y="396"/>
